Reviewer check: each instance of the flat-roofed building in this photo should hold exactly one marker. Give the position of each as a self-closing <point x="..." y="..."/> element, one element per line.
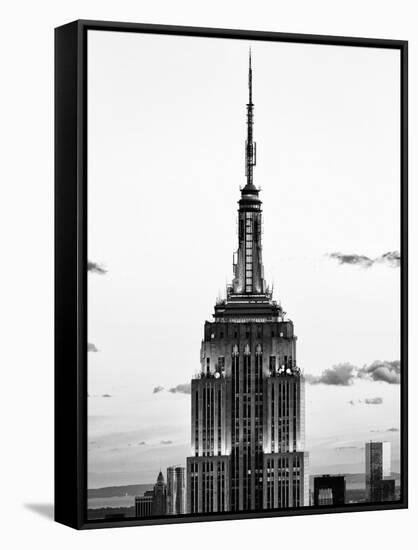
<point x="329" y="490"/>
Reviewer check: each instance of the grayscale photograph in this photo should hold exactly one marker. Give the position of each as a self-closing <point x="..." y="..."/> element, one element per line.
<point x="244" y="296"/>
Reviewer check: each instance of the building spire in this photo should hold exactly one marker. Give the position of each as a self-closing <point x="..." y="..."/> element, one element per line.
<point x="250" y="145"/>
<point x="248" y="266"/>
<point x="250" y="77"/>
<point x="248" y="291"/>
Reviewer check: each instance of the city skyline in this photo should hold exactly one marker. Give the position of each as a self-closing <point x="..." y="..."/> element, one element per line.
<point x="113" y="405"/>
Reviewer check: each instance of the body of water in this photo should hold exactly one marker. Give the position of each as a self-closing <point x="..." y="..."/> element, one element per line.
<point x="112" y="502"/>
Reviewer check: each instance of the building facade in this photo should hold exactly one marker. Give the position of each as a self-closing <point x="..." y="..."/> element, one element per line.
<point x="176" y="490"/>
<point x="247" y="430"/>
<point x="378" y="466"/>
<point x="329" y="490"/>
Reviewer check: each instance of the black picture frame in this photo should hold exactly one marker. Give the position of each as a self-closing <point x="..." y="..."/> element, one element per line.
<point x="71" y="266"/>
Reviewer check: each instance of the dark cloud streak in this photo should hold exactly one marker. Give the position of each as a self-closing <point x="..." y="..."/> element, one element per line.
<point x="390" y="259"/>
<point x="373" y="401"/>
<point x="181" y="388"/>
<point x="368" y="401"/>
<point x="351" y="259"/>
<point x="94" y="267"/>
<point x="385" y="431"/>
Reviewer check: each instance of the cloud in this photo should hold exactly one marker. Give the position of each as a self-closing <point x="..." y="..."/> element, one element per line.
<point x="91" y="347"/>
<point x="342" y="374"/>
<point x="382" y="371"/>
<point x="373" y="401"/>
<point x="181" y="388"/>
<point x="391" y="259"/>
<point x="367" y="401"/>
<point x="94" y="267"/>
<point x="351" y="259"/>
<point x="385" y="431"/>
<point x="166" y="442"/>
<point x="347" y="448"/>
<point x="106" y="395"/>
<point x="142" y="443"/>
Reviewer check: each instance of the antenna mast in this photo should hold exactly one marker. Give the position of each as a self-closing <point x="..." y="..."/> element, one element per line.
<point x="250" y="145"/>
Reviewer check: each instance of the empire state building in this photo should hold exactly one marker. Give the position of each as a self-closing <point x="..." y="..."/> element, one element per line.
<point x="247" y="429"/>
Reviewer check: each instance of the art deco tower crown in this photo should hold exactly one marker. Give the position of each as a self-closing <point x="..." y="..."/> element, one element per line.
<point x="248" y="292"/>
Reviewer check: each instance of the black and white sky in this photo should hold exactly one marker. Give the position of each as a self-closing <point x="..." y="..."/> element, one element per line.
<point x="165" y="163"/>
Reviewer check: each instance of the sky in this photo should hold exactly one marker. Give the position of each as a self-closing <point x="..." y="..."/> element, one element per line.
<point x="166" y="132"/>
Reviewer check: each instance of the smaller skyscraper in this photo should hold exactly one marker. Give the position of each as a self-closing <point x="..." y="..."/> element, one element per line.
<point x="176" y="490"/>
<point x="153" y="502"/>
<point x="143" y="505"/>
<point x="377" y="468"/>
<point x="159" y="505"/>
<point x="329" y="490"/>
